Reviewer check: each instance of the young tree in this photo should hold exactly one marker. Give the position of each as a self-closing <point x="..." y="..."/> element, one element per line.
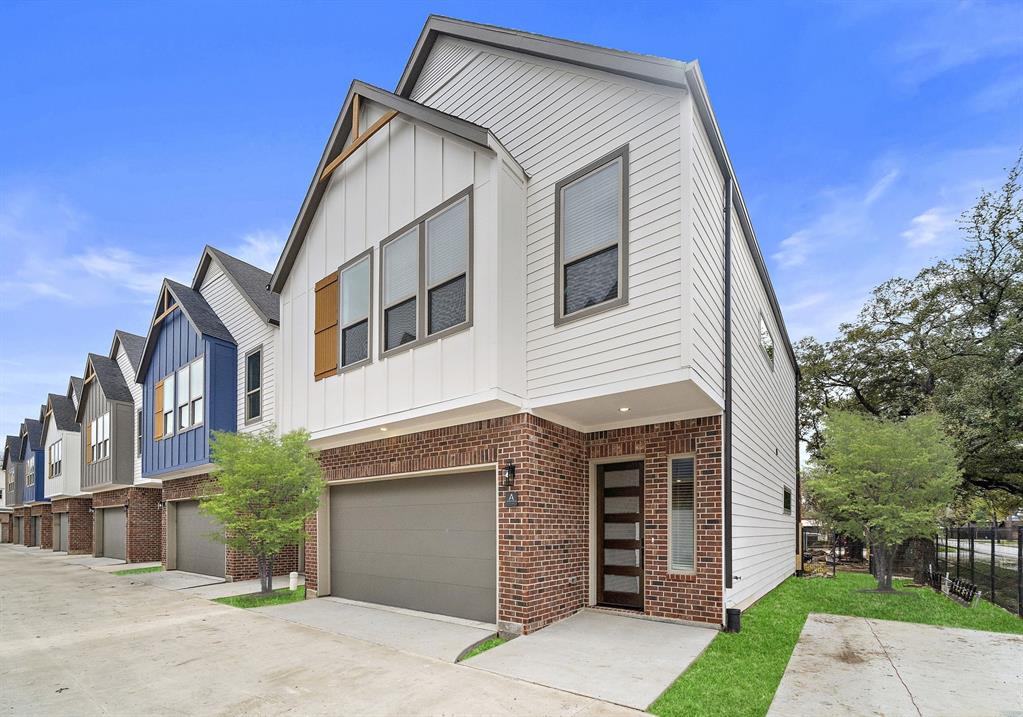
<point x="886" y="480"/>
<point x="266" y="488"/>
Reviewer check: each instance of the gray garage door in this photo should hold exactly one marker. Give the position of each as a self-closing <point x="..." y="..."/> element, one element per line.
<point x="60" y="532"/>
<point x="197" y="553"/>
<point x="19" y="535"/>
<point x="114" y="533"/>
<point x="37" y="531"/>
<point x="420" y="543"/>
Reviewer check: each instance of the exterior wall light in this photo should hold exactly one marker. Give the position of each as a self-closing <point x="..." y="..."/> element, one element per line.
<point x="624" y="409"/>
<point x="511" y="499"/>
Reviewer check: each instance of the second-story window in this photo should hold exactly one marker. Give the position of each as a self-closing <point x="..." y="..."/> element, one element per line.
<point x="168" y="406"/>
<point x="197" y="378"/>
<point x="355" y="302"/>
<point x="591" y="242"/>
<point x="254" y="385"/>
<point x="99" y="437"/>
<point x="447" y="266"/>
<point x="55" y="455"/>
<point x="766" y="341"/>
<point x="184" y="398"/>
<point x="189" y="383"/>
<point x="401" y="285"/>
<point x="138" y="433"/>
<point x="30" y="470"/>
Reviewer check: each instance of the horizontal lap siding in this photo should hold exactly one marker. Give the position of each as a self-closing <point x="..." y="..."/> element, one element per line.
<point x="763" y="443"/>
<point x="555" y="118"/>
<point x="250" y="331"/>
<point x="124" y="363"/>
<point x="402" y="172"/>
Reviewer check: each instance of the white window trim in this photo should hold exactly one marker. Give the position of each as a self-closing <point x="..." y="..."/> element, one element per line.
<point x="763" y="326"/>
<point x="560" y="317"/>
<point x="671" y="486"/>
<point x="168" y="432"/>
<point x="245" y="386"/>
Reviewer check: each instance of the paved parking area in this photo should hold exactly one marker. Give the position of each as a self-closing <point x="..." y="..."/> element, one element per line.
<point x="418" y="633"/>
<point x="174" y="579"/>
<point x="846" y="666"/>
<point x="626" y="660"/>
<point x="82" y="642"/>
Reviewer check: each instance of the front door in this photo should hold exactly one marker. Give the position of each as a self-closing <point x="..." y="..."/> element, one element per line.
<point x="620" y="535"/>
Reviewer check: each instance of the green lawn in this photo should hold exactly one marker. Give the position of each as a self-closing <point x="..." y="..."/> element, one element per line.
<point x="139" y="571"/>
<point x="483" y="647"/>
<point x="739" y="673"/>
<point x="277" y="597"/>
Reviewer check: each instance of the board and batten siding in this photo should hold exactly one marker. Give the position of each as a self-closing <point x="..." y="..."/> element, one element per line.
<point x="70" y="480"/>
<point x="763" y="439"/>
<point x="250" y="332"/>
<point x="116" y="469"/>
<point x="124" y="363"/>
<point x="405" y="170"/>
<point x="555" y="118"/>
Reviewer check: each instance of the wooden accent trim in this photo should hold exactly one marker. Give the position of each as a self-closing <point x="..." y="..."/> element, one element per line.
<point x="326" y="343"/>
<point x="355" y="115"/>
<point x="326" y="281"/>
<point x="358" y="142"/>
<point x="88" y="442"/>
<point x="158" y="411"/>
<point x="165" y="314"/>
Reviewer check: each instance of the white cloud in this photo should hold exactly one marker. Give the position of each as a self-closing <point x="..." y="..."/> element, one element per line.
<point x="793" y="251"/>
<point x="880" y="187"/>
<point x="928" y="228"/>
<point x="1005" y="92"/>
<point x="260" y="248"/>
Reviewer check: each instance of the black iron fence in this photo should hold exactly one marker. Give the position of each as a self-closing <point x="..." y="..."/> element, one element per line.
<point x="989" y="558"/>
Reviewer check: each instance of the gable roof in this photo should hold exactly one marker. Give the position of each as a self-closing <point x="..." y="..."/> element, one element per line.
<point x="12" y="450"/>
<point x="74" y="388"/>
<point x="674" y="73"/>
<point x="251" y="282"/>
<point x="197" y="312"/>
<point x="472" y="133"/>
<point x="133" y="345"/>
<point x="63" y="412"/>
<point x="111" y="380"/>
<point x="31" y="431"/>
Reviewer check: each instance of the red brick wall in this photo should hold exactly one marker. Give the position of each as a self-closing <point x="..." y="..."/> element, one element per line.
<point x="240" y="566"/>
<point x="543" y="542"/>
<point x="700" y="596"/>
<point x="42" y="513"/>
<point x="26" y="526"/>
<point x="79" y="523"/>
<point x="143" y="535"/>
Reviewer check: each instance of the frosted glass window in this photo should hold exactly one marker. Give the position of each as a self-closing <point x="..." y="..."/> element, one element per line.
<point x="683" y="515"/>
<point x="447" y="242"/>
<point x="355" y="292"/>
<point x="197" y="380"/>
<point x="401" y="268"/>
<point x="591" y="209"/>
<point x="183" y="398"/>
<point x="168" y="405"/>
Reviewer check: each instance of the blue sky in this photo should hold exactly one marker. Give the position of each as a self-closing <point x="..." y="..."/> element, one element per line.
<point x="133" y="134"/>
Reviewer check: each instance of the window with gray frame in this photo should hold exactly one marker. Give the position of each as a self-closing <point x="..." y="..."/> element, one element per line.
<point x="426" y="276"/>
<point x="786" y="501"/>
<point x="591" y="238"/>
<point x="356" y="290"/>
<point x="254" y="385"/>
<point x="138" y="433"/>
<point x="683" y="514"/>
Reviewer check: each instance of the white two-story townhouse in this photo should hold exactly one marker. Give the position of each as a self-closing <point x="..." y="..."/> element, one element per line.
<point x="10" y="517"/>
<point x="62" y="452"/>
<point x="526" y="321"/>
<point x="207" y="365"/>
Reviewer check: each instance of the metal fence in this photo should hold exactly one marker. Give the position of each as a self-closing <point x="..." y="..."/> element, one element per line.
<point x="990" y="558"/>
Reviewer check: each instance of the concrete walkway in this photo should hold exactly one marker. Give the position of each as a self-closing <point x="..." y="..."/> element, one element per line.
<point x="846" y="666"/>
<point x="174" y="579"/>
<point x="238" y="587"/>
<point x="626" y="660"/>
<point x="82" y="642"/>
<point x="417" y="633"/>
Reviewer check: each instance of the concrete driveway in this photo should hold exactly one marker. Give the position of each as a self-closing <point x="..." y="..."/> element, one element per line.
<point x="622" y="659"/>
<point x="80" y="642"/>
<point x="846" y="666"/>
<point x="419" y="633"/>
<point x="174" y="579"/>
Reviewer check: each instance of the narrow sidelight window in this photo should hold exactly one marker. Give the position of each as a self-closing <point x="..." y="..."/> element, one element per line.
<point x="683" y="515"/>
<point x="591" y="242"/>
<point x="254" y="385"/>
<point x="168" y="406"/>
<point x="401" y="283"/>
<point x="447" y="266"/>
<point x="184" y="415"/>
<point x="197" y="376"/>
<point x="786" y="501"/>
<point x="138" y="433"/>
<point x="766" y="341"/>
<point x="356" y="290"/>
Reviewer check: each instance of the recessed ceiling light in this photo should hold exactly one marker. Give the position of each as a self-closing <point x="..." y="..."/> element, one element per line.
<point x="383" y="428"/>
<point x="624" y="409"/>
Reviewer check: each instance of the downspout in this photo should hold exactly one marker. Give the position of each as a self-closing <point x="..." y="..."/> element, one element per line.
<point x="727" y="427"/>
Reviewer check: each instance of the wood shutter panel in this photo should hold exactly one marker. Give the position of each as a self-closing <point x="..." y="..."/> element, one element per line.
<point x="158" y="411"/>
<point x="88" y="442"/>
<point x="325" y="327"/>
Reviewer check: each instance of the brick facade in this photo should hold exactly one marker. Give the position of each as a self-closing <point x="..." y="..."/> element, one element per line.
<point x="544" y="541"/>
<point x="143" y="537"/>
<point x="239" y="565"/>
<point x="79" y="529"/>
<point x="6" y="527"/>
<point x="41" y="512"/>
<point x="26" y="525"/>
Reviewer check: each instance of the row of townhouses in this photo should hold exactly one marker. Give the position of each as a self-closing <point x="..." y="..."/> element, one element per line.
<point x="524" y="317"/>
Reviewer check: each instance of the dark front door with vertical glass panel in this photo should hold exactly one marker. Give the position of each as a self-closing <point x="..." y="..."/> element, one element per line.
<point x="620" y="535"/>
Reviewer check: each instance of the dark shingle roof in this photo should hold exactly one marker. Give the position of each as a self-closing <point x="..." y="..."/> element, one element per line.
<point x="110" y="378"/>
<point x="252" y="281"/>
<point x="33" y="429"/>
<point x="12" y="450"/>
<point x="199" y="312"/>
<point x="76" y="385"/>
<point x="133" y="345"/>
<point x="63" y="412"/>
